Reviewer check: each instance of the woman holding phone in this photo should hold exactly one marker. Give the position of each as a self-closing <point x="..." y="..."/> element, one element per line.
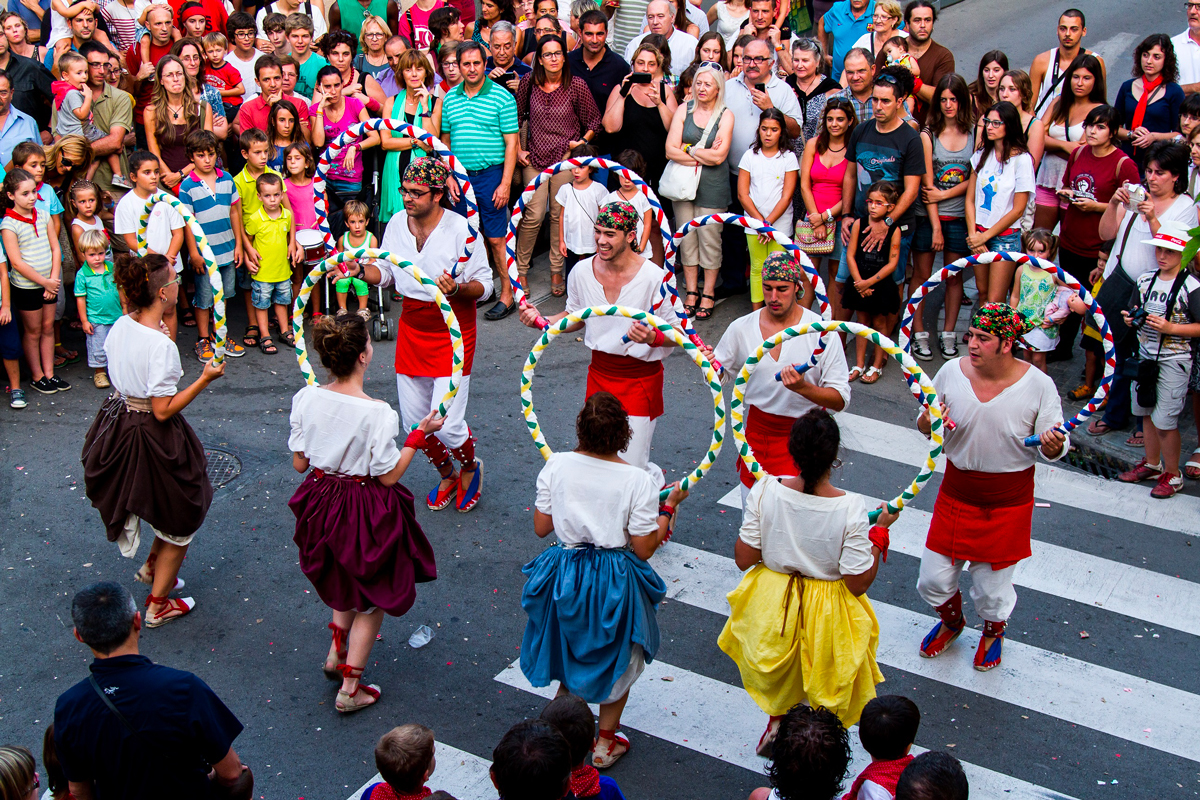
<point x="641" y="108"/>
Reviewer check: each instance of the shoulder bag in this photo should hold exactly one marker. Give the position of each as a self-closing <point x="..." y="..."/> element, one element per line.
<point x="1147" y="371"/>
<point x="680" y="182"/>
<point x="1117" y="291"/>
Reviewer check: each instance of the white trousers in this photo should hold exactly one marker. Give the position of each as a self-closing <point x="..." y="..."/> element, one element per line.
<point x="418" y="396"/>
<point x="638" y="451"/>
<point x="992" y="590"/>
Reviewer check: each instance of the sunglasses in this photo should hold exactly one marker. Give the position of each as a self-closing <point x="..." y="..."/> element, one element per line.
<point x="711" y="65"/>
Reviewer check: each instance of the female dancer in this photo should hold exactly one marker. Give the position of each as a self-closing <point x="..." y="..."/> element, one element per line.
<point x="801" y="628"/>
<point x="141" y="460"/>
<point x="359" y="539"/>
<point x="591" y="597"/>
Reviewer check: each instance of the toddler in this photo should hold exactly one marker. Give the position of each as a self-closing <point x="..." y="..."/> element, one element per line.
<point x="273" y="236"/>
<point x="98" y="300"/>
<point x="84" y="199"/>
<point x="357" y="215"/>
<point x="256" y="152"/>
<point x="223" y="75"/>
<point x="887" y="729"/>
<point x="404" y="758"/>
<point x="1034" y="291"/>
<point x="628" y="192"/>
<point x="73" y="99"/>
<point x="580" y="201"/>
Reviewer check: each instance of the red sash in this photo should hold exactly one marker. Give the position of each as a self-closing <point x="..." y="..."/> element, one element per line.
<point x="768" y="437"/>
<point x="636" y="383"/>
<point x="984" y="517"/>
<point x="884" y="773"/>
<point x="423" y="348"/>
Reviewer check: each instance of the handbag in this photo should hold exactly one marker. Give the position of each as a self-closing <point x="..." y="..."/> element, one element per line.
<point x="809" y="243"/>
<point x="1147" y="371"/>
<point x="680" y="182"/>
<point x="1116" y="293"/>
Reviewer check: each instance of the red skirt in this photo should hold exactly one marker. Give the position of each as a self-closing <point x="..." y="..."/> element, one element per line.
<point x="637" y="384"/>
<point x="985" y="517"/>
<point x="768" y="437"/>
<point x="360" y="543"/>
<point x="423" y="347"/>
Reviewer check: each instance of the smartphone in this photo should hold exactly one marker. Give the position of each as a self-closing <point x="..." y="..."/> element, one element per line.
<point x="508" y="77"/>
<point x="762" y="87"/>
<point x="640" y="77"/>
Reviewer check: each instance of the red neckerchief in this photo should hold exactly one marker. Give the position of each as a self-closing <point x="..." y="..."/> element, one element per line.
<point x="1148" y="88"/>
<point x="12" y="212"/>
<point x="383" y="791"/>
<point x="884" y="773"/>
<point x="585" y="781"/>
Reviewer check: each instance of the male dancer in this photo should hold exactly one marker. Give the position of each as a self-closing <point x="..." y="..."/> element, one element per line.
<point x="984" y="509"/>
<point x="433" y="238"/>
<point x="1049" y="68"/>
<point x="773" y="406"/>
<point x="633" y="370"/>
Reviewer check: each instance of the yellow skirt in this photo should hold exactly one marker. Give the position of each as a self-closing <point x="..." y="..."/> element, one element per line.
<point x="814" y="645"/>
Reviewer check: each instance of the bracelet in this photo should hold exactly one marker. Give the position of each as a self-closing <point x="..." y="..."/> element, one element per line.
<point x="416" y="439"/>
<point x="659" y="338"/>
<point x="453" y="291"/>
<point x="666" y="511"/>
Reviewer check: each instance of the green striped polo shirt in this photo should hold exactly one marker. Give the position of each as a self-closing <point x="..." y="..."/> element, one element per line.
<point x="476" y="124"/>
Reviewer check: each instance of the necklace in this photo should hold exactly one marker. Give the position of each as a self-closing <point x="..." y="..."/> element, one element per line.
<point x="175" y="112"/>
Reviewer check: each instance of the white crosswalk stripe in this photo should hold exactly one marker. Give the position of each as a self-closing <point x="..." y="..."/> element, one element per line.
<point x="458" y="772"/>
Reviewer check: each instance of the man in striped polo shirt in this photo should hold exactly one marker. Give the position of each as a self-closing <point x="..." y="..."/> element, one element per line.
<point x="210" y="194"/>
<point x="479" y="122"/>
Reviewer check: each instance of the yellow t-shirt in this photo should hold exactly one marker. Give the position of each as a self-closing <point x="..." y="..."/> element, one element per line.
<point x="271" y="241"/>
<point x="248" y="192"/>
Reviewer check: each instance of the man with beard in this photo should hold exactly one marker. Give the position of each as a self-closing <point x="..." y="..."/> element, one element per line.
<point x="1049" y="68"/>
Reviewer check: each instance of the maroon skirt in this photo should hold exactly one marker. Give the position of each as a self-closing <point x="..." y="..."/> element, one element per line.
<point x="360" y="543"/>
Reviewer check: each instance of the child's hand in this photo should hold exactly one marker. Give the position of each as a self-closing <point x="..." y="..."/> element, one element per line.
<point x="253" y="268"/>
<point x="197" y="262"/>
<point x="764" y="238"/>
<point x="432" y="422"/>
<point x="87" y="326"/>
<point x="51" y="285"/>
<point x="5" y="315"/>
<point x="251" y="256"/>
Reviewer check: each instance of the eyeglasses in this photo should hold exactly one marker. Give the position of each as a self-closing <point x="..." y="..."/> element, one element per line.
<point x="243" y="34"/>
<point x="66" y="162"/>
<point x="414" y="193"/>
<point x="994" y="123"/>
<point x="755" y="59"/>
<point x="98" y="64"/>
<point x="1192" y="6"/>
<point x="888" y="79"/>
<point x="553" y="54"/>
<point x="373" y="35"/>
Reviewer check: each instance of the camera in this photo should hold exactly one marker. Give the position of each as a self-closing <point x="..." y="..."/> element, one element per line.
<point x="1137" y="193"/>
<point x="1137" y="317"/>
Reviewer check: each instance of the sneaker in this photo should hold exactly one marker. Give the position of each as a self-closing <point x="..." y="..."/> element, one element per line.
<point x="16" y="398"/>
<point x="341" y="312"/>
<point x="1142" y="472"/>
<point x="948" y="344"/>
<point x="1167" y="486"/>
<point x="365" y="313"/>
<point x="43" y="385"/>
<point x="1081" y="392"/>
<point x="121" y="182"/>
<point x="101" y="381"/>
<point x="204" y="351"/>
<point x="920" y="346"/>
<point x="59" y="384"/>
<point x="233" y="349"/>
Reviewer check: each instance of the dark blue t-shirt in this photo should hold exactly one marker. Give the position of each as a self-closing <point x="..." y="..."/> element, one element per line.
<point x="885" y="157"/>
<point x="183" y="729"/>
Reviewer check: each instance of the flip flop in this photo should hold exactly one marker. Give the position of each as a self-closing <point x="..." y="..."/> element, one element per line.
<point x="1136" y="439"/>
<point x="1192" y="468"/>
<point x="1099" y="427"/>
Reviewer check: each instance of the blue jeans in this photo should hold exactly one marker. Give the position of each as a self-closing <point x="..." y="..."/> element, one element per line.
<point x="1118" y="411"/>
<point x="265" y="294"/>
<point x="1005" y="242"/>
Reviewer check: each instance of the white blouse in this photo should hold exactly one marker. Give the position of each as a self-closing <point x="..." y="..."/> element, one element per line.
<point x="604" y="333"/>
<point x="818" y="537"/>
<point x="142" y="362"/>
<point x="342" y="434"/>
<point x="439" y="256"/>
<point x="597" y="502"/>
<point x="1137" y="258"/>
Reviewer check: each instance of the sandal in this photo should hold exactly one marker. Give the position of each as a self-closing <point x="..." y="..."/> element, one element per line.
<point x="146" y="574"/>
<point x="1136" y="439"/>
<point x="268" y="347"/>
<point x="1192" y="468"/>
<point x="855" y="373"/>
<point x="605" y="757"/>
<point x="345" y="703"/>
<point x="690" y="308"/>
<point x="438" y="497"/>
<point x="251" y="339"/>
<point x="558" y="288"/>
<point x="466" y="499"/>
<point x="188" y="318"/>
<point x="872" y="375"/>
<point x="338" y="650"/>
<point x="175" y="608"/>
<point x="70" y="355"/>
<point x="766" y="742"/>
<point x="705" y="313"/>
<point x="289" y="337"/>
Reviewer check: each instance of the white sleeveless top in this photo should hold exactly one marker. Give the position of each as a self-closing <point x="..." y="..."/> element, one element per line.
<point x="1050" y="171"/>
<point x="728" y="25"/>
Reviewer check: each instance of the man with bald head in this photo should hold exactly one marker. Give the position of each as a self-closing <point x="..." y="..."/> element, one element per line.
<point x="660" y="17"/>
<point x="159" y="22"/>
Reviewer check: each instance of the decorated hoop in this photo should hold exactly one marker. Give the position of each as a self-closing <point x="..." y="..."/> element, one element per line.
<point x="1094" y="311"/>
<point x="318" y="273"/>
<point x="738" y="404"/>
<point x="210" y="262"/>
<point x="439" y="149"/>
<point x="696" y="354"/>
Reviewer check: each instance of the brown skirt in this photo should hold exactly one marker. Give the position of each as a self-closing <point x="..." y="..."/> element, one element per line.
<point x="134" y="464"/>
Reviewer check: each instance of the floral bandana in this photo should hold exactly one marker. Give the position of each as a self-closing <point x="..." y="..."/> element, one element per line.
<point x="618" y="216"/>
<point x="427" y="171"/>
<point x="1002" y="320"/>
<point x="781" y="266"/>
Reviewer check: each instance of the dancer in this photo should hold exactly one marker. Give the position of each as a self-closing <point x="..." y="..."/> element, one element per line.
<point x="359" y="539"/>
<point x="801" y="628"/>
<point x="591" y="597"/>
<point x="984" y="509"/>
<point x="141" y="459"/>
<point x="433" y="238"/>
<point x="774" y="406"/>
<point x="633" y="370"/>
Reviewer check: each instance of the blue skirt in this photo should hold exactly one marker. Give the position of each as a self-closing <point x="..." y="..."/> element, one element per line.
<point x="587" y="608"/>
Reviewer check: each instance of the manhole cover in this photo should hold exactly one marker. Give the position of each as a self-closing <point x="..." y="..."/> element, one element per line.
<point x="223" y="466"/>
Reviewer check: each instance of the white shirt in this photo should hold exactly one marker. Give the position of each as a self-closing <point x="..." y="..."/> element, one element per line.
<point x="604" y="333"/>
<point x="246" y="69"/>
<point x="318" y="18"/>
<point x="580" y="207"/>
<point x="1137" y="258"/>
<point x="1187" y="52"/>
<point x="867" y="43"/>
<point x="342" y="434"/>
<point x="441" y="252"/>
<point x="697" y="16"/>
<point x="640" y="204"/>
<point x="742" y="338"/>
<point x="59" y="29"/>
<point x="164" y="220"/>
<point x="870" y="790"/>
<point x="142" y="362"/>
<point x="988" y="437"/>
<point x="595" y="501"/>
<point x="766" y="183"/>
<point x="746" y="114"/>
<point x="997" y="184"/>
<point x="818" y="537"/>
<point x="682" y="44"/>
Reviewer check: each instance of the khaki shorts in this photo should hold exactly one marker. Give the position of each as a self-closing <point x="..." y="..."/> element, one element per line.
<point x="1172" y="393"/>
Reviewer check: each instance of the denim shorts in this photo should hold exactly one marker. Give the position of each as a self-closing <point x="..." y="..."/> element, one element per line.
<point x="265" y="294"/>
<point x="204" y="290"/>
<point x="97" y="358"/>
<point x="493" y="221"/>
<point x="954" y="236"/>
<point x="244" y="279"/>
<point x="1005" y="242"/>
<point x="906" y="240"/>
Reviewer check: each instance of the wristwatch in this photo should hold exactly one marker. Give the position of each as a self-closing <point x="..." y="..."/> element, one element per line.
<point x="889" y="222"/>
<point x="829" y="216"/>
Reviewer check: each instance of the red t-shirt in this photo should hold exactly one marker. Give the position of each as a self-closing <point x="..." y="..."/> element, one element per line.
<point x="1097" y="178"/>
<point x="255" y="112"/>
<point x="214" y="14"/>
<point x="133" y="61"/>
<point x="224" y="77"/>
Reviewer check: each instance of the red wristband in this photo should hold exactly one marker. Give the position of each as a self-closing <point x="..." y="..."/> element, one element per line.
<point x="917" y="84"/>
<point x="881" y="538"/>
<point x="416" y="439"/>
<point x="659" y="338"/>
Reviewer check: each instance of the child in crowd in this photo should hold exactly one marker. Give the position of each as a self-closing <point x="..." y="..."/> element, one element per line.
<point x="283" y="128"/>
<point x="273" y="236"/>
<point x="193" y="20"/>
<point x="580" y="200"/>
<point x="768" y="176"/>
<point x="274" y="27"/>
<point x="1166" y="317"/>
<point x="299" y="29"/>
<point x="404" y="758"/>
<point x="211" y="196"/>
<point x="10" y="339"/>
<point x="30" y="157"/>
<point x="1189" y="115"/>
<point x="571" y="715"/>
<point x="255" y="150"/>
<point x="628" y="192"/>
<point x="73" y="99"/>
<point x="871" y="290"/>
<point x="299" y="167"/>
<point x="164" y="231"/>
<point x="35" y="270"/>
<point x="223" y="75"/>
<point x="357" y="214"/>
<point x="84" y="200"/>
<point x="98" y="300"/>
<point x="887" y="730"/>
<point x="1034" y="291"/>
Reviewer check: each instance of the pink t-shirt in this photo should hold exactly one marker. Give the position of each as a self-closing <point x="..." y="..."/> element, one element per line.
<point x="422" y="37"/>
<point x="301" y="198"/>
<point x="333" y="130"/>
